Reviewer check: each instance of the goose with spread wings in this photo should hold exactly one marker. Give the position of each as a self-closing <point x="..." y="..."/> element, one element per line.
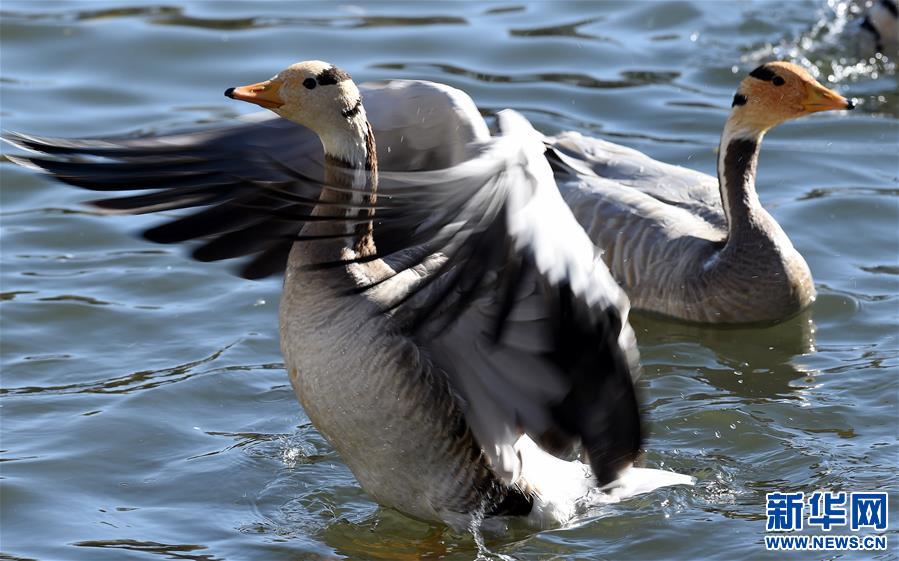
<point x="681" y="243"/>
<point x="451" y="330"/>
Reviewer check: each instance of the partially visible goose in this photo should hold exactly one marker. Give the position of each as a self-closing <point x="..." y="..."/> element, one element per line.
<point x="880" y="27"/>
<point x="684" y="244"/>
<point x="665" y="231"/>
<point x="444" y="330"/>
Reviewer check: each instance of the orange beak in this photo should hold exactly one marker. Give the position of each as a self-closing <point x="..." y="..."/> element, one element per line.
<point x="265" y="94"/>
<point x="820" y="98"/>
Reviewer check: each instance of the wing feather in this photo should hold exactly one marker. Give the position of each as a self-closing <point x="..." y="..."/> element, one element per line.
<point x="516" y="308"/>
<point x="522" y="315"/>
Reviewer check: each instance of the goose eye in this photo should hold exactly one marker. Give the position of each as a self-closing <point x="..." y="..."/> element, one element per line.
<point x="309" y="83"/>
<point x="778" y="81"/>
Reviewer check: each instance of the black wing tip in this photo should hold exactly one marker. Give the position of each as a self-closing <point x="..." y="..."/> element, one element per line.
<point x="602" y="407"/>
<point x="617" y="444"/>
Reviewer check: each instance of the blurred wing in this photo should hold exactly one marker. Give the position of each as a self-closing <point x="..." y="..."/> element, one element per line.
<point x="582" y="158"/>
<point x="421" y="125"/>
<point x="515" y="306"/>
<point x="521" y="313"/>
<point x="242" y="203"/>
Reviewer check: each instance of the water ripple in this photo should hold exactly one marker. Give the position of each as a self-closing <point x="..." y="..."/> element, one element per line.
<point x="142" y="380"/>
<point x="881" y="269"/>
<point x="563" y="30"/>
<point x="10" y="557"/>
<point x="629" y="78"/>
<point x="837" y="191"/>
<point x="746" y="410"/>
<point x="170" y="551"/>
<point x="176" y="16"/>
<point x="12" y="295"/>
<point x="75" y="298"/>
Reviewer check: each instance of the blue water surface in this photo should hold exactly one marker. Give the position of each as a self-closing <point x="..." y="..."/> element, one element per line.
<point x="145" y="410"/>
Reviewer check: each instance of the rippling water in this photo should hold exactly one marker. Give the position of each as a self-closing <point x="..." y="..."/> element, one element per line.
<point x="145" y="410"/>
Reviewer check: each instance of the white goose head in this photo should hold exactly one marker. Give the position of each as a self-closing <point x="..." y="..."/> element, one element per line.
<point x="317" y="95"/>
<point x="778" y="91"/>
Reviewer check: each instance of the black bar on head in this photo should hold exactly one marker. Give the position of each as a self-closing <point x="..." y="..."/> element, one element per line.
<point x="763" y="73"/>
<point x="330" y="76"/>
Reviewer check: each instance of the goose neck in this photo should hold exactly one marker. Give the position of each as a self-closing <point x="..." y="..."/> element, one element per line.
<point x="351" y="176"/>
<point x="737" y="161"/>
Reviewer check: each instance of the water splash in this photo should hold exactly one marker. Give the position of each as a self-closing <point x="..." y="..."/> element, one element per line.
<point x="835" y="49"/>
<point x="295" y="451"/>
<point x="474" y="528"/>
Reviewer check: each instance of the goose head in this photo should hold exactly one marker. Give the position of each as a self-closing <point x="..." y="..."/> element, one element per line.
<point x="778" y="91"/>
<point x="315" y="94"/>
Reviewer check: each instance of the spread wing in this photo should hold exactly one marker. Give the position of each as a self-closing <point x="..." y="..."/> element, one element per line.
<point x="517" y="308"/>
<point x="419" y="125"/>
<point x="637" y="176"/>
<point x="519" y="311"/>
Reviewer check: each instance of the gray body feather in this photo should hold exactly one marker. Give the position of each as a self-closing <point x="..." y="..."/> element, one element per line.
<point x="484" y="323"/>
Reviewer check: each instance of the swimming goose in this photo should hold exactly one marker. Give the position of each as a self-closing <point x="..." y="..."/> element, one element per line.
<point x="445" y="330"/>
<point x="665" y="233"/>
<point x="684" y="244"/>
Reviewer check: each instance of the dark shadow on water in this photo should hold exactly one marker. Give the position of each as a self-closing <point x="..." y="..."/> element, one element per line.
<point x="505" y="10"/>
<point x="176" y="16"/>
<point x="88" y="15"/>
<point x="563" y="30"/>
<point x="629" y="78"/>
<point x="752" y="362"/>
<point x="856" y="191"/>
<point x="389" y="535"/>
<point x="141" y="380"/>
<point x="169" y="551"/>
<point x="10" y="557"/>
<point x="389" y="539"/>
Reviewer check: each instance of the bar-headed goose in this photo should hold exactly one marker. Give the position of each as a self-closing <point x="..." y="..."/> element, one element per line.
<point x="665" y="232"/>
<point x="445" y="330"/>
<point x="682" y="243"/>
